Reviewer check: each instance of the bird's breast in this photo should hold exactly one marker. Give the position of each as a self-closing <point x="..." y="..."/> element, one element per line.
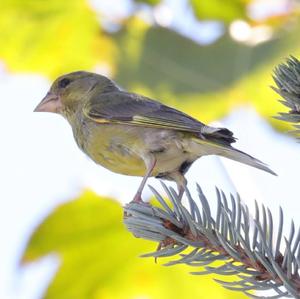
<point x="123" y="149"/>
<point x="115" y="148"/>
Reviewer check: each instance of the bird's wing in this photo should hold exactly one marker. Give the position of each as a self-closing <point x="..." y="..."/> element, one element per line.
<point x="132" y="109"/>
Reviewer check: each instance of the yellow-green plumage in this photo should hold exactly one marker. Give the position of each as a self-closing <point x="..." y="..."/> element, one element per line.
<point x="134" y="135"/>
<point x="123" y="149"/>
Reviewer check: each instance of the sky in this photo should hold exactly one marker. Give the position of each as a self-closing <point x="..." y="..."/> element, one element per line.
<point x="38" y="153"/>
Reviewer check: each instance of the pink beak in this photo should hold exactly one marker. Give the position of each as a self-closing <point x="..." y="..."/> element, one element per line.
<point x="50" y="103"/>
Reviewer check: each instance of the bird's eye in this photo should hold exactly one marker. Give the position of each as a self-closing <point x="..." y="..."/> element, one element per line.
<point x="64" y="82"/>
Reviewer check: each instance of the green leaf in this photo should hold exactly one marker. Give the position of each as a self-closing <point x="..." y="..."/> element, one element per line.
<point x="223" y="10"/>
<point x="52" y="38"/>
<point x="189" y="68"/>
<point x="99" y="258"/>
<point x="150" y="2"/>
<point x="204" y="81"/>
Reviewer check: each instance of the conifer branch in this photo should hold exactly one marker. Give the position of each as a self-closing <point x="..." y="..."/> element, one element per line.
<point x="287" y="79"/>
<point x="249" y="248"/>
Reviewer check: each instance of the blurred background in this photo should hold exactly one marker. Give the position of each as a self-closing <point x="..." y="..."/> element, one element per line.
<point x="61" y="231"/>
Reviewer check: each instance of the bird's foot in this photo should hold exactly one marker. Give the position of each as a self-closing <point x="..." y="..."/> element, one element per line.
<point x="138" y="198"/>
<point x="180" y="193"/>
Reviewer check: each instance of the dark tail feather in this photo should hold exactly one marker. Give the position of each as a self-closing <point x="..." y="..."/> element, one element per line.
<point x="218" y="135"/>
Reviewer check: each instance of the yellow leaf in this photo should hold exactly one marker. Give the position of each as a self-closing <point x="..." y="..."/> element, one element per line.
<point x="99" y="259"/>
<point x="52" y="39"/>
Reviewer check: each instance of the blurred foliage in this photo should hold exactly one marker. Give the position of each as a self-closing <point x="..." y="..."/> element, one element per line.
<point x="205" y="81"/>
<point x="52" y="38"/>
<point x="150" y="2"/>
<point x="99" y="258"/>
<point x="226" y="11"/>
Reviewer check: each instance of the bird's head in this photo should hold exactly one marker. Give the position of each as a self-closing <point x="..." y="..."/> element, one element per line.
<point x="71" y="91"/>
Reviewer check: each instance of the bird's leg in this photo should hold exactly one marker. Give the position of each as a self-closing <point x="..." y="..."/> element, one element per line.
<point x="181" y="184"/>
<point x="180" y="191"/>
<point x="150" y="164"/>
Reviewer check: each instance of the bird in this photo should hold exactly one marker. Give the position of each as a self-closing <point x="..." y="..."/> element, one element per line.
<point x="134" y="135"/>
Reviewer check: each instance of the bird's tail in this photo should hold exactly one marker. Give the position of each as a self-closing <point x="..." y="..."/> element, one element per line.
<point x="232" y="153"/>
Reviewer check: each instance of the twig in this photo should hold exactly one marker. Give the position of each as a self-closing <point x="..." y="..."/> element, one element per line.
<point x="287" y="79"/>
<point x="246" y="246"/>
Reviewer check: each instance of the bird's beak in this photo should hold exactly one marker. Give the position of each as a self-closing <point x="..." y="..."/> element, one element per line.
<point x="50" y="103"/>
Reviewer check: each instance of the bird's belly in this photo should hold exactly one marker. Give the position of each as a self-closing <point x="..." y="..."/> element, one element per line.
<point x="134" y="165"/>
<point x="123" y="151"/>
<point x="114" y="148"/>
<point x="129" y="165"/>
<point x="120" y="160"/>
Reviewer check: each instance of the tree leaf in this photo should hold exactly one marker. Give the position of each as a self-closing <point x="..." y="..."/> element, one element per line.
<point x="56" y="38"/>
<point x="99" y="258"/>
<point x="150" y="2"/>
<point x="226" y="11"/>
<point x="206" y="81"/>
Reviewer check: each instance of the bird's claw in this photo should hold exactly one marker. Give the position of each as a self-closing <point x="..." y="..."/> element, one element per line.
<point x="137" y="198"/>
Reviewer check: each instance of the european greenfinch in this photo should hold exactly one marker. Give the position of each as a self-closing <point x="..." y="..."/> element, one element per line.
<point x="131" y="134"/>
